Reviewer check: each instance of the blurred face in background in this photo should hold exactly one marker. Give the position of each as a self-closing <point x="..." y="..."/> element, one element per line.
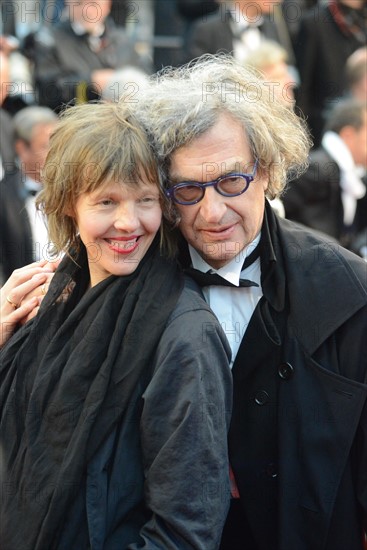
<point x="280" y="74"/>
<point x="32" y="154"/>
<point x="356" y="139"/>
<point x="90" y="14"/>
<point x="250" y="10"/>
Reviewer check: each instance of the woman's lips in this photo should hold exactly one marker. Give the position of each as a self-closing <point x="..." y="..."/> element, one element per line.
<point x="123" y="245"/>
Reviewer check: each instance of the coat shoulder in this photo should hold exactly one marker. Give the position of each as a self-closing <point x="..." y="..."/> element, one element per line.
<point x="313" y="247"/>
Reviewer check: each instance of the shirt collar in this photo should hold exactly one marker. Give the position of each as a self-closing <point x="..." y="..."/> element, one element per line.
<point x="80" y="30"/>
<point x="231" y="271"/>
<point x="271" y="260"/>
<point x="32" y="185"/>
<point x="272" y="263"/>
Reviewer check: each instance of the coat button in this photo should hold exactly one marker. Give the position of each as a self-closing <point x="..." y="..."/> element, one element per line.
<point x="271" y="470"/>
<point x="261" y="397"/>
<point x="285" y="371"/>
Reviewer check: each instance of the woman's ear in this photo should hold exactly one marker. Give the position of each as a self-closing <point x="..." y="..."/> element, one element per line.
<point x="69" y="211"/>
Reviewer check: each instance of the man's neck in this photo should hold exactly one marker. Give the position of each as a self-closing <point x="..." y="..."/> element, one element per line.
<point x="231" y="271"/>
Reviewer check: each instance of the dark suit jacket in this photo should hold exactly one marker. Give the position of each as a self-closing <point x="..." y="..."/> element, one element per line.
<point x="16" y="244"/>
<point x="214" y="34"/>
<point x="321" y="52"/>
<point x="7" y="151"/>
<point x="315" y="200"/>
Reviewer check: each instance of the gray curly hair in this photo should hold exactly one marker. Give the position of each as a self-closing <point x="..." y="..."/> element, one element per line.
<point x="180" y="104"/>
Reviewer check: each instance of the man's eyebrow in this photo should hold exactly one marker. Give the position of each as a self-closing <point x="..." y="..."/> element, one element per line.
<point x="234" y="167"/>
<point x="179" y="179"/>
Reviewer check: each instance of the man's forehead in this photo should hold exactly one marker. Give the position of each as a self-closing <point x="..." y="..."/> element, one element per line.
<point x="205" y="171"/>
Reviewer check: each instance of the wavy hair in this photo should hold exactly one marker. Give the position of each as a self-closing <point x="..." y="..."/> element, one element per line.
<point x="94" y="143"/>
<point x="182" y="103"/>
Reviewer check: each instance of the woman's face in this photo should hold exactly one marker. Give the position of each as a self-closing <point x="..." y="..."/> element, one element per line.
<point x="117" y="224"/>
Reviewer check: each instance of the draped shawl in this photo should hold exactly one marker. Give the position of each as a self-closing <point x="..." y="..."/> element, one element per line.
<point x="66" y="380"/>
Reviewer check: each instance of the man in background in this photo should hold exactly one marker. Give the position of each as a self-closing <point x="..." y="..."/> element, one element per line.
<point x="331" y="195"/>
<point x="23" y="232"/>
<point x="239" y="27"/>
<point x="272" y="61"/>
<point x="77" y="58"/>
<point x="356" y="74"/>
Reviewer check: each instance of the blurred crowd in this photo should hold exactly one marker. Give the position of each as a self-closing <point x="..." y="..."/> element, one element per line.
<point x="312" y="55"/>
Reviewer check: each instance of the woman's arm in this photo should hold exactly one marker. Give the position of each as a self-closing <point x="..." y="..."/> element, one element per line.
<point x="184" y="425"/>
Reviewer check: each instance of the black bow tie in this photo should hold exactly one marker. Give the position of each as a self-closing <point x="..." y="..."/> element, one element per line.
<point x="209" y="279"/>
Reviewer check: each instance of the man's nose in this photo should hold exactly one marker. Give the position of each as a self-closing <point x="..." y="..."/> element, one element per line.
<point x="212" y="206"/>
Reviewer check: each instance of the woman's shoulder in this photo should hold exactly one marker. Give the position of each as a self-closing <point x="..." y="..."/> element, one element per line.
<point x="193" y="337"/>
<point x="192" y="322"/>
<point x="191" y="300"/>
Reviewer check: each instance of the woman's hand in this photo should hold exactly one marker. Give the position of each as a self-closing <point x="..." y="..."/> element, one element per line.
<point x="21" y="295"/>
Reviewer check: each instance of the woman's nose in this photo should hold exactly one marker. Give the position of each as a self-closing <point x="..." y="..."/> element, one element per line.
<point x="126" y="218"/>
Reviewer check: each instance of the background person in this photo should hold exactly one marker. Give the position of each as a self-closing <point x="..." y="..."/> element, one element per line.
<point x="239" y="28"/>
<point x="98" y="448"/>
<point x="77" y="58"/>
<point x="328" y="34"/>
<point x="23" y="233"/>
<point x="271" y="60"/>
<point x="356" y="74"/>
<point x="331" y="195"/>
<point x="7" y="153"/>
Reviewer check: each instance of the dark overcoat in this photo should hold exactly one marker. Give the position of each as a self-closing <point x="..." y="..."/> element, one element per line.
<point x="16" y="241"/>
<point x="318" y="367"/>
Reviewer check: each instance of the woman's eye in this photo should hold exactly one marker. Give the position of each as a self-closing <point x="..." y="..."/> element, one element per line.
<point x="106" y="202"/>
<point x="148" y="199"/>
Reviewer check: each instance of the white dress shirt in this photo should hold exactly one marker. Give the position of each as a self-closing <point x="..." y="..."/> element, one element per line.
<point x="232" y="306"/>
<point x="351" y="184"/>
<point x="247" y="38"/>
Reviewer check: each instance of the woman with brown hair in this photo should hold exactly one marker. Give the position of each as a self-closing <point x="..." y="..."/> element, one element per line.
<point x="116" y="396"/>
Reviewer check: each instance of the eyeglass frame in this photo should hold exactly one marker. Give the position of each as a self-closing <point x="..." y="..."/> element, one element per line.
<point x="169" y="192"/>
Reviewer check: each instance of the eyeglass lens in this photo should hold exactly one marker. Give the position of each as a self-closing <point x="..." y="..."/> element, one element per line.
<point x="228" y="186"/>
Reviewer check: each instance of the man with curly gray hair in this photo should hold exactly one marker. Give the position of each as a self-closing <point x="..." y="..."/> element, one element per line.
<point x="292" y="304"/>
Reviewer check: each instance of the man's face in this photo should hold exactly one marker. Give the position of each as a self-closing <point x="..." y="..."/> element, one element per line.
<point x="219" y="227"/>
<point x="90" y="14"/>
<point x="278" y="73"/>
<point x="33" y="155"/>
<point x="359" y="152"/>
<point x="356" y="141"/>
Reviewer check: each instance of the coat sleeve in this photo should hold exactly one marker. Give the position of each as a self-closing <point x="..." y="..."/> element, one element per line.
<point x="184" y="425"/>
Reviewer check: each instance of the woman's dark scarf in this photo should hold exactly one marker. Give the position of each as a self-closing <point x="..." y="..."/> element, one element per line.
<point x="66" y="381"/>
